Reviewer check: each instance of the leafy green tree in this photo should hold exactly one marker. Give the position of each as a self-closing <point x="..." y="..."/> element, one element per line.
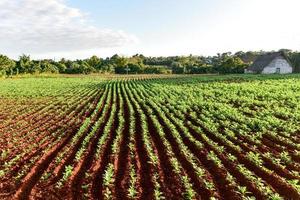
<point x="249" y="56"/>
<point x="79" y="67"/>
<point x="85" y="68"/>
<point x="24" y="64"/>
<point x="121" y="62"/>
<point x="48" y="67"/>
<point x="61" y="67"/>
<point x="221" y="63"/>
<point x="73" y="68"/>
<point x="231" y="65"/>
<point x="94" y="62"/>
<point x="224" y="63"/>
<point x="6" y="65"/>
<point x="177" y="68"/>
<point x="157" y="70"/>
<point x="294" y="57"/>
<point x="134" y="68"/>
<point x="107" y="66"/>
<point x="137" y="60"/>
<point x="35" y="67"/>
<point x="203" y="69"/>
<point x="121" y="70"/>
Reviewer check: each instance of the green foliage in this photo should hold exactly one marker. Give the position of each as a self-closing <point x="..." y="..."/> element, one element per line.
<point x="132" y="192"/>
<point x="189" y="192"/>
<point x="94" y="62"/>
<point x="255" y="157"/>
<point x="2" y="173"/>
<point x="295" y="60"/>
<point x="225" y="63"/>
<point x="108" y="181"/>
<point x="177" y="68"/>
<point x="24" y="64"/>
<point x="157" y="70"/>
<point x="6" y="65"/>
<point x="67" y="173"/>
<point x="203" y="117"/>
<point x="47" y="66"/>
<point x="79" y="67"/>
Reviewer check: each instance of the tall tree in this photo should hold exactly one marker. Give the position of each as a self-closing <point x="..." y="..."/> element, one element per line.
<point x="48" y="67"/>
<point x="94" y="62"/>
<point x="6" y="65"/>
<point x="24" y="64"/>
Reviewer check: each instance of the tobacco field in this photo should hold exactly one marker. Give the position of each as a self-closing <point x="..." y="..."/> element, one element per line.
<point x="150" y="137"/>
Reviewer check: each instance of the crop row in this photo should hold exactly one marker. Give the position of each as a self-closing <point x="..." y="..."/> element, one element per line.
<point x="152" y="138"/>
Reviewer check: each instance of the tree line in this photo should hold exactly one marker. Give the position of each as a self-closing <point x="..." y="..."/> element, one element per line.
<point x="225" y="63"/>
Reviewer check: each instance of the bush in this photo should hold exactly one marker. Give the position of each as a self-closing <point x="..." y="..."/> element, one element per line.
<point x="157" y="70"/>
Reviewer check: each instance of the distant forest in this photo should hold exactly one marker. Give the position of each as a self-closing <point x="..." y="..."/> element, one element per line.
<point x="225" y="63"/>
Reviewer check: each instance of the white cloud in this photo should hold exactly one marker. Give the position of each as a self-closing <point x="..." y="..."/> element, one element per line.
<point x="49" y="26"/>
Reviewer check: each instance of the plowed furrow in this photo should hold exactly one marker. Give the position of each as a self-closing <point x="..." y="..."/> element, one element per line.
<point x="172" y="183"/>
<point x="37" y="171"/>
<point x="280" y="187"/>
<point x="103" y="160"/>
<point x="144" y="169"/>
<point x="86" y="162"/>
<point x="122" y="170"/>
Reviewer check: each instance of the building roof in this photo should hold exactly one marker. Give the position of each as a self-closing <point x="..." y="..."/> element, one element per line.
<point x="264" y="60"/>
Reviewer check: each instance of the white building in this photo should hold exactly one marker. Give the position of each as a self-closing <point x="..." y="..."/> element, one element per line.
<point x="271" y="63"/>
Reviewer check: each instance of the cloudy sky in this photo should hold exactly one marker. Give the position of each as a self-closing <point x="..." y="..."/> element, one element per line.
<point x="79" y="29"/>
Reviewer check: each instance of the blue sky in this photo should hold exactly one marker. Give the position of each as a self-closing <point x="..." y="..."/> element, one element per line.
<point x="139" y="16"/>
<point x="79" y="29"/>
